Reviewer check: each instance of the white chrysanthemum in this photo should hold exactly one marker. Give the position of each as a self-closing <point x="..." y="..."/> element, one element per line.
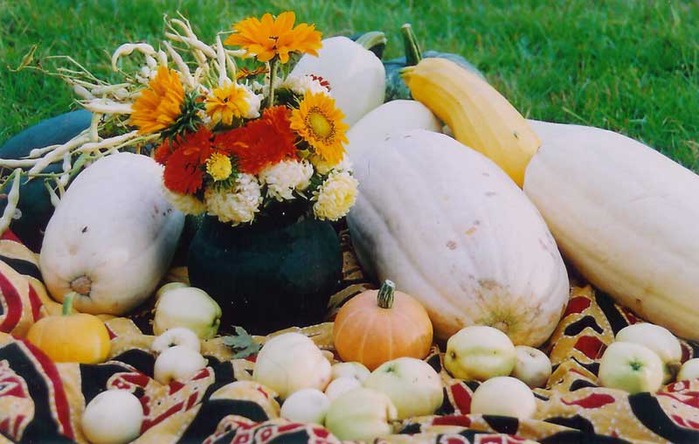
<point x="324" y="167"/>
<point x="186" y="203"/>
<point x="237" y="205"/>
<point x="335" y="196"/>
<point x="305" y="84"/>
<point x="285" y="177"/>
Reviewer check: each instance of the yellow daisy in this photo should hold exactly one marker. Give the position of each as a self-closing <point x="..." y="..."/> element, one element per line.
<point x="159" y="105"/>
<point x="219" y="167"/>
<point x="228" y="102"/>
<point x="319" y="122"/>
<point x="272" y="37"/>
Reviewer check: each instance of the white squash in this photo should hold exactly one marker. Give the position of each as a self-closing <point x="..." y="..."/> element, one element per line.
<point x="357" y="77"/>
<point x="625" y="216"/>
<point x="452" y="229"/>
<point x="112" y="236"/>
<point x="396" y="115"/>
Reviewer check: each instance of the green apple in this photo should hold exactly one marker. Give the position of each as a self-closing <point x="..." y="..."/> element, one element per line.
<point x="479" y="352"/>
<point x="177" y="363"/>
<point x="289" y="362"/>
<point x="415" y="388"/>
<point x="504" y="396"/>
<point x="361" y="414"/>
<point x="689" y="370"/>
<point x="341" y="385"/>
<point x="188" y="307"/>
<point x="660" y="340"/>
<point x="352" y="369"/>
<point x="176" y="336"/>
<point x="532" y="366"/>
<point x="112" y="417"/>
<point x="630" y="367"/>
<point x="307" y="405"/>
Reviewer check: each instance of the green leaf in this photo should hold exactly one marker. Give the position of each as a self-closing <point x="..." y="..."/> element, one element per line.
<point x="242" y="343"/>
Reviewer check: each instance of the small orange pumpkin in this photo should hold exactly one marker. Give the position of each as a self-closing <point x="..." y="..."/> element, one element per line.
<point x="71" y="337"/>
<point x="379" y="325"/>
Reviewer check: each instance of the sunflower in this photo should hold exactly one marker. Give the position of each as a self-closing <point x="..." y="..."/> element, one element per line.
<point x="160" y="105"/>
<point x="319" y="122"/>
<point x="230" y="102"/>
<point x="271" y="37"/>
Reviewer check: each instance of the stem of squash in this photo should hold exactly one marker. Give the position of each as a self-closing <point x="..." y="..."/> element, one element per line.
<point x="386" y="294"/>
<point x="413" y="54"/>
<point x="68" y="303"/>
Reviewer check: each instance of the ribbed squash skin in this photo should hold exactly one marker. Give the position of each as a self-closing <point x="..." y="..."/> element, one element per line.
<point x="626" y="216"/>
<point x="478" y="115"/>
<point x="453" y="231"/>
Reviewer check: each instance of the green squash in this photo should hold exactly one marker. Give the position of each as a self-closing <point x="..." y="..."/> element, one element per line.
<point x="395" y="86"/>
<point x="35" y="202"/>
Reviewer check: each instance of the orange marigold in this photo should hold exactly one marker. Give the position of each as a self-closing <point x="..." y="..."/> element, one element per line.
<point x="159" y="105"/>
<point x="186" y="164"/>
<point x="271" y="37"/>
<point x="261" y="142"/>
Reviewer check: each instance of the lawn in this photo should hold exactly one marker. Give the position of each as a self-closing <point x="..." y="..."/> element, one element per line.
<point x="630" y="66"/>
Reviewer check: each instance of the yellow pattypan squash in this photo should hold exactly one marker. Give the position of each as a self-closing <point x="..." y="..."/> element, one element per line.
<point x="71" y="337"/>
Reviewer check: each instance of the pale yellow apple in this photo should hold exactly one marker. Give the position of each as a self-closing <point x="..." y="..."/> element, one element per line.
<point x="630" y="367"/>
<point x="479" y="352"/>
<point x="532" y="366"/>
<point x="660" y="340"/>
<point x="504" y="396"/>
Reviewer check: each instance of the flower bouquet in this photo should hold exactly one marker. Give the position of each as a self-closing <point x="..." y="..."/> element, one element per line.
<point x="254" y="152"/>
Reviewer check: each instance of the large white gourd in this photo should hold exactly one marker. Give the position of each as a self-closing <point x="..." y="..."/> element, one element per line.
<point x="453" y="230"/>
<point x="389" y="117"/>
<point x="112" y="236"/>
<point x="625" y="215"/>
<point x="357" y="77"/>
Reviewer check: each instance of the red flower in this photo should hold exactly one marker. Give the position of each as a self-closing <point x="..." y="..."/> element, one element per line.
<point x="262" y="142"/>
<point x="186" y="163"/>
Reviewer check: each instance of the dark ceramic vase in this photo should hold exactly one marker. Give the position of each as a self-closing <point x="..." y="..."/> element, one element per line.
<point x="273" y="274"/>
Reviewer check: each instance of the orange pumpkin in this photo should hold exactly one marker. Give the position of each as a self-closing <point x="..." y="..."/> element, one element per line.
<point x="71" y="337"/>
<point x="379" y="325"/>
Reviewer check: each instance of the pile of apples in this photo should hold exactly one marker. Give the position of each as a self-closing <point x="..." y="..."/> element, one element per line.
<point x="356" y="403"/>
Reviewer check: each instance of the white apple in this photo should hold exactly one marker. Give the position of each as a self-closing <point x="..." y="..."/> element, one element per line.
<point x="689" y="370"/>
<point x="177" y="363"/>
<point x="352" y="369"/>
<point x="290" y="362"/>
<point x="361" y="414"/>
<point x="188" y="307"/>
<point x="112" y="417"/>
<point x="504" y="396"/>
<point x="479" y="352"/>
<point x="176" y="336"/>
<point x="307" y="405"/>
<point x="415" y="388"/>
<point x="532" y="366"/>
<point x="630" y="367"/>
<point x="660" y="340"/>
<point x="341" y="385"/>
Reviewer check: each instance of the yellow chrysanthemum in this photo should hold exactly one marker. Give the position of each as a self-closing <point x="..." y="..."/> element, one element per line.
<point x="272" y="37"/>
<point x="160" y="104"/>
<point x="219" y="167"/>
<point x="319" y="122"/>
<point x="228" y="102"/>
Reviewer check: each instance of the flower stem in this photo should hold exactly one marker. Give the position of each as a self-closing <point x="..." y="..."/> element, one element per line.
<point x="386" y="293"/>
<point x="273" y="64"/>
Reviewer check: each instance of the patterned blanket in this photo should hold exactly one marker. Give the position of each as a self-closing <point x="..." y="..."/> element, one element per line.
<point x="42" y="401"/>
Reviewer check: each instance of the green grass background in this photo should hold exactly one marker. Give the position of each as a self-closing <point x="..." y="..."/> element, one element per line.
<point x="630" y="66"/>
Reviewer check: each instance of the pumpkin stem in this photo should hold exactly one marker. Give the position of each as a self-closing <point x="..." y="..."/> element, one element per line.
<point x="68" y="303"/>
<point x="413" y="54"/>
<point x="386" y="294"/>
